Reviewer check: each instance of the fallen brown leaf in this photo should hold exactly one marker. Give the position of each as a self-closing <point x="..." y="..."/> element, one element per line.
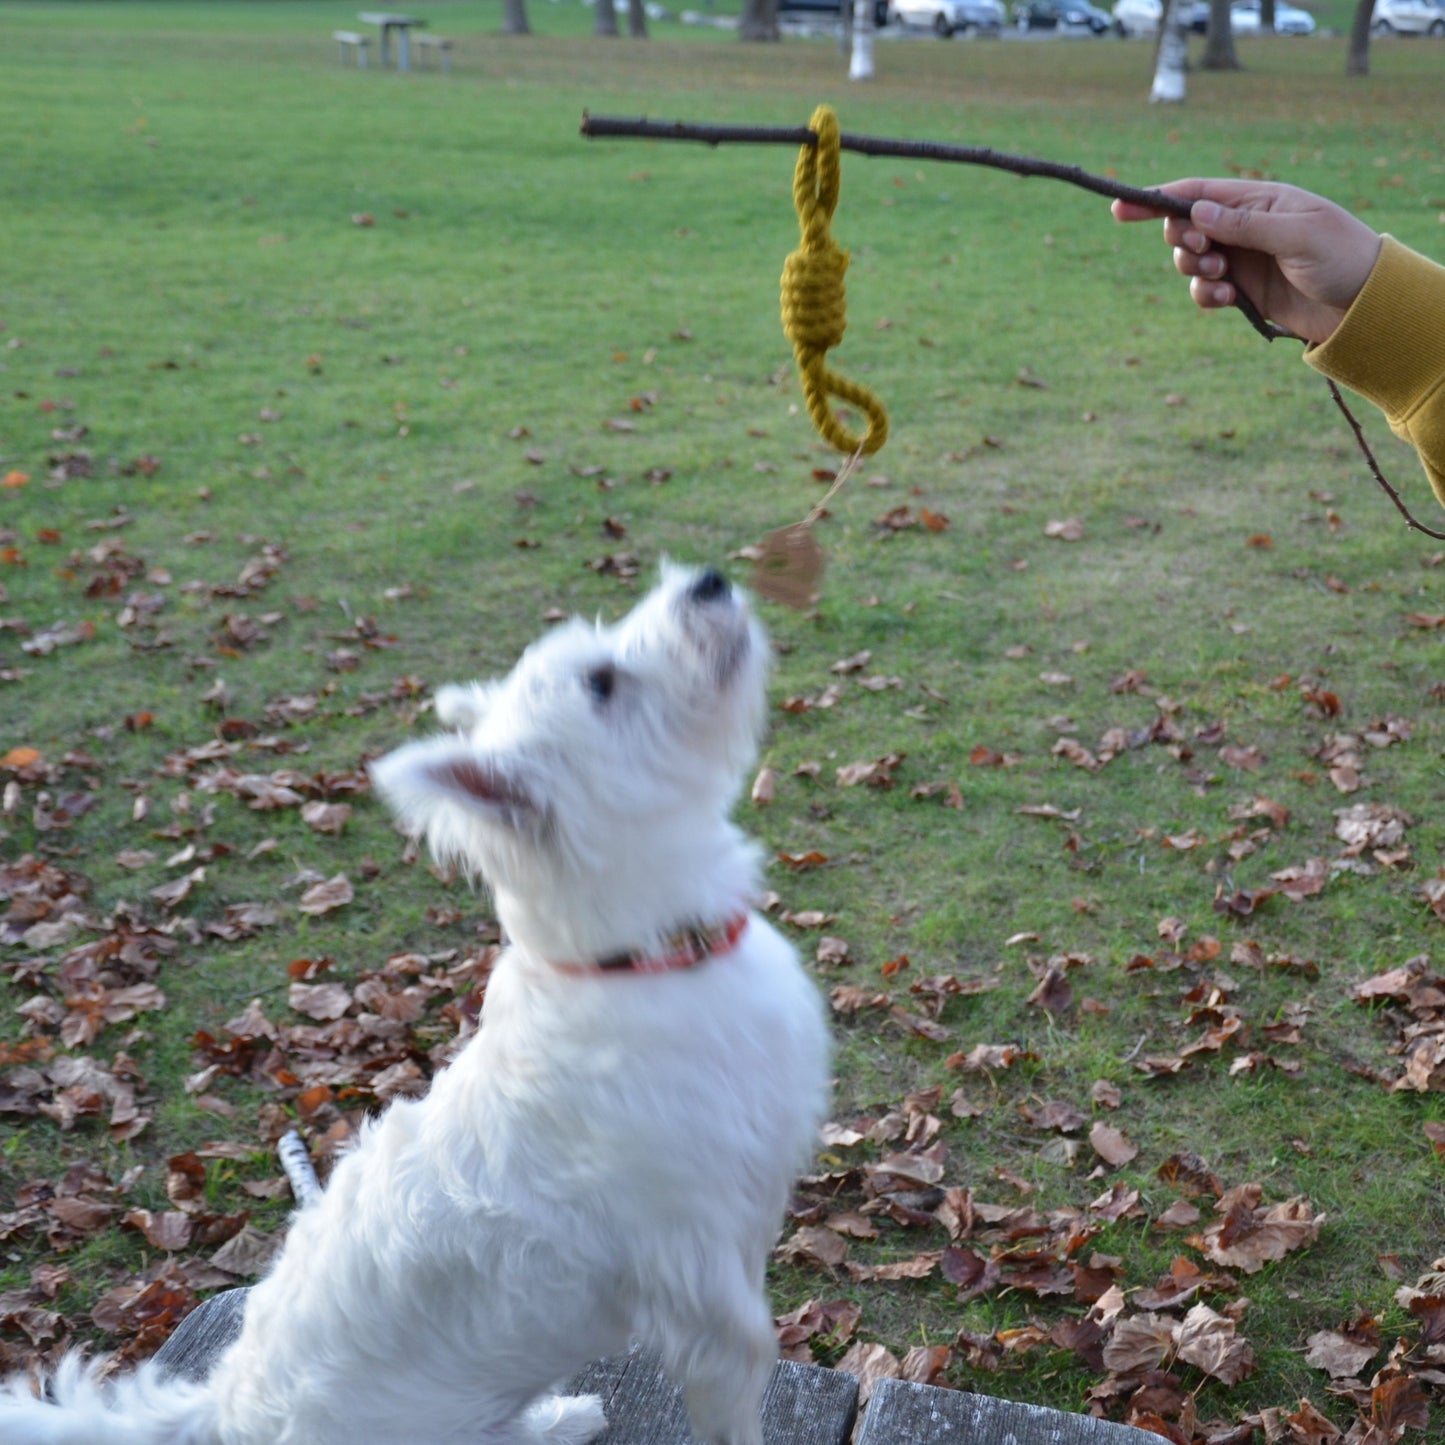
<point x="325" y="897"/>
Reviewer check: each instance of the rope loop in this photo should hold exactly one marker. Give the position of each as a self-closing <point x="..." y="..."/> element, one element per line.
<point x="813" y="297"/>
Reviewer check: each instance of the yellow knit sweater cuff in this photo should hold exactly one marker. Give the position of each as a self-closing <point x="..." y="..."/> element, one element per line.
<point x="1391" y="349"/>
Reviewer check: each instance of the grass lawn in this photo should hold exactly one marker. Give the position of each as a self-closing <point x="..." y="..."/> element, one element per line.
<point x="319" y="388"/>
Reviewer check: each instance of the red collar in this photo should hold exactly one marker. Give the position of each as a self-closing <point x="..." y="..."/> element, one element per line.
<point x="683" y="950"/>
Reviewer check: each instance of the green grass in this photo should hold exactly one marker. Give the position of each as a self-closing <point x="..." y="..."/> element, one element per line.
<point x="177" y="214"/>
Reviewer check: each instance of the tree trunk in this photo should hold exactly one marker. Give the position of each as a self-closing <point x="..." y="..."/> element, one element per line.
<point x="637" y="19"/>
<point x="1173" y="52"/>
<point x="1266" y="16"/>
<point x="1357" y="59"/>
<point x="514" y="17"/>
<point x="860" y="65"/>
<point x="605" y="18"/>
<point x="759" y="20"/>
<point x="1219" y="39"/>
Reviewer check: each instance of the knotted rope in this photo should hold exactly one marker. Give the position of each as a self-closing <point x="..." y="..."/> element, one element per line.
<point x="814" y="307"/>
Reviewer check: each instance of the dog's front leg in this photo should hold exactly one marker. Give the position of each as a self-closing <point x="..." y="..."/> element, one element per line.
<point x="725" y="1373"/>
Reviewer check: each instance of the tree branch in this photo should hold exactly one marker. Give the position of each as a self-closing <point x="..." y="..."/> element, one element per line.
<point x="1375" y="471"/>
<point x="599" y="127"/>
<point x="604" y="127"/>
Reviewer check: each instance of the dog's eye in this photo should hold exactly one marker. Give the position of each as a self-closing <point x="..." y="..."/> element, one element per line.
<point x="602" y="681"/>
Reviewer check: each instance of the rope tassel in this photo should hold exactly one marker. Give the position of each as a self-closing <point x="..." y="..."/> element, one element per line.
<point x="813" y="298"/>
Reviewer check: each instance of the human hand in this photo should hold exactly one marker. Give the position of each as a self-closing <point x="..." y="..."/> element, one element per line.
<point x="1299" y="258"/>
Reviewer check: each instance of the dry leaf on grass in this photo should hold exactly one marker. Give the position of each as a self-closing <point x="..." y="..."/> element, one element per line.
<point x="1339" y="1355"/>
<point x="1242" y="1236"/>
<point x="1113" y="1146"/>
<point x="324" y="897"/>
<point x="869" y="1364"/>
<point x="1212" y="1342"/>
<point x="1140" y="1343"/>
<point x="329" y="818"/>
<point x="813" y="1246"/>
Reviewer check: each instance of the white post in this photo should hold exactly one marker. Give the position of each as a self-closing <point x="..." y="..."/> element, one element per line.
<point x="1172" y="57"/>
<point x="860" y="66"/>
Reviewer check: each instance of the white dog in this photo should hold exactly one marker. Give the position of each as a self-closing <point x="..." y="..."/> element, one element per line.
<point x="609" y="1158"/>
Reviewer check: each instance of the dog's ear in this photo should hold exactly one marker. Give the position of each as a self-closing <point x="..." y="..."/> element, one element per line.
<point x="462" y="705"/>
<point x="419" y="778"/>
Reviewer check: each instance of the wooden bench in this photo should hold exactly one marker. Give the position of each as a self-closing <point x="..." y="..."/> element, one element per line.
<point x="437" y="45"/>
<point x="804" y="1404"/>
<point x="349" y="42"/>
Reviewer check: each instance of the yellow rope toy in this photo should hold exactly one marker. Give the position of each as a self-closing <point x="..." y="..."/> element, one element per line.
<point x="814" y="308"/>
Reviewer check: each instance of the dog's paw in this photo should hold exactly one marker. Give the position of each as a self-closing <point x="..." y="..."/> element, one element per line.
<point x="566" y="1419"/>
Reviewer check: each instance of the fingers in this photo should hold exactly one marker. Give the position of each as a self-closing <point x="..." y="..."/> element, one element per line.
<point x="1194" y="253"/>
<point x="1190" y="261"/>
<point x="1130" y="211"/>
<point x="1261" y="229"/>
<point x="1192" y="189"/>
<point x="1211" y="295"/>
<point x="1208" y="287"/>
<point x="1181" y="231"/>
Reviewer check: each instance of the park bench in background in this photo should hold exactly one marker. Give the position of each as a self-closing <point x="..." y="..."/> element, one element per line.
<point x="804" y="1404"/>
<point x="437" y="45"/>
<point x="350" y="43"/>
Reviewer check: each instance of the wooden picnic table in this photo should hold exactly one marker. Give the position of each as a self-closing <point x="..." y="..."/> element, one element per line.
<point x="390" y="22"/>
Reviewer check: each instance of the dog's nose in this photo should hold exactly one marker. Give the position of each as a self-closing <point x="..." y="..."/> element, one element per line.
<point x="709" y="586"/>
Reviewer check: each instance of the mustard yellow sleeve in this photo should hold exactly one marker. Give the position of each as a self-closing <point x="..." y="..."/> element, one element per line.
<point x="1391" y="349"/>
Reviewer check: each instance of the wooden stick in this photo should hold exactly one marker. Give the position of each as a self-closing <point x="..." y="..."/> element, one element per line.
<point x="605" y="126"/>
<point x="600" y="127"/>
<point x="1379" y="476"/>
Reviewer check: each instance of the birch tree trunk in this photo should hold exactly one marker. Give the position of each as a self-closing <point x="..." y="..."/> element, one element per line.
<point x="1173" y="52"/>
<point x="1219" y="39"/>
<point x="1357" y="58"/>
<point x="514" y="17"/>
<point x="860" y="66"/>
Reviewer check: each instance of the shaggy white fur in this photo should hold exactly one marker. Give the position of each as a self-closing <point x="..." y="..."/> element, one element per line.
<point x="609" y="1157"/>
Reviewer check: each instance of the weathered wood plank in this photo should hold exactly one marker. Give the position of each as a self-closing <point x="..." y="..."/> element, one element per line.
<point x="902" y="1413"/>
<point x="204" y="1335"/>
<point x="602" y="1377"/>
<point x="809" y="1405"/>
<point x="803" y="1405"/>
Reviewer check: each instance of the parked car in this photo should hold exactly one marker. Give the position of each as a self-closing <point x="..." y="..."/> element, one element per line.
<point x="1138" y="17"/>
<point x="1061" y="15"/>
<point x="1288" y="19"/>
<point x="1409" y="17"/>
<point x="950" y="17"/>
<point x="1244" y="18"/>
<point x="830" y="9"/>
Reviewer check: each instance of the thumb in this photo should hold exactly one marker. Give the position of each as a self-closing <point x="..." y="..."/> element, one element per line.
<point x="1251" y="230"/>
